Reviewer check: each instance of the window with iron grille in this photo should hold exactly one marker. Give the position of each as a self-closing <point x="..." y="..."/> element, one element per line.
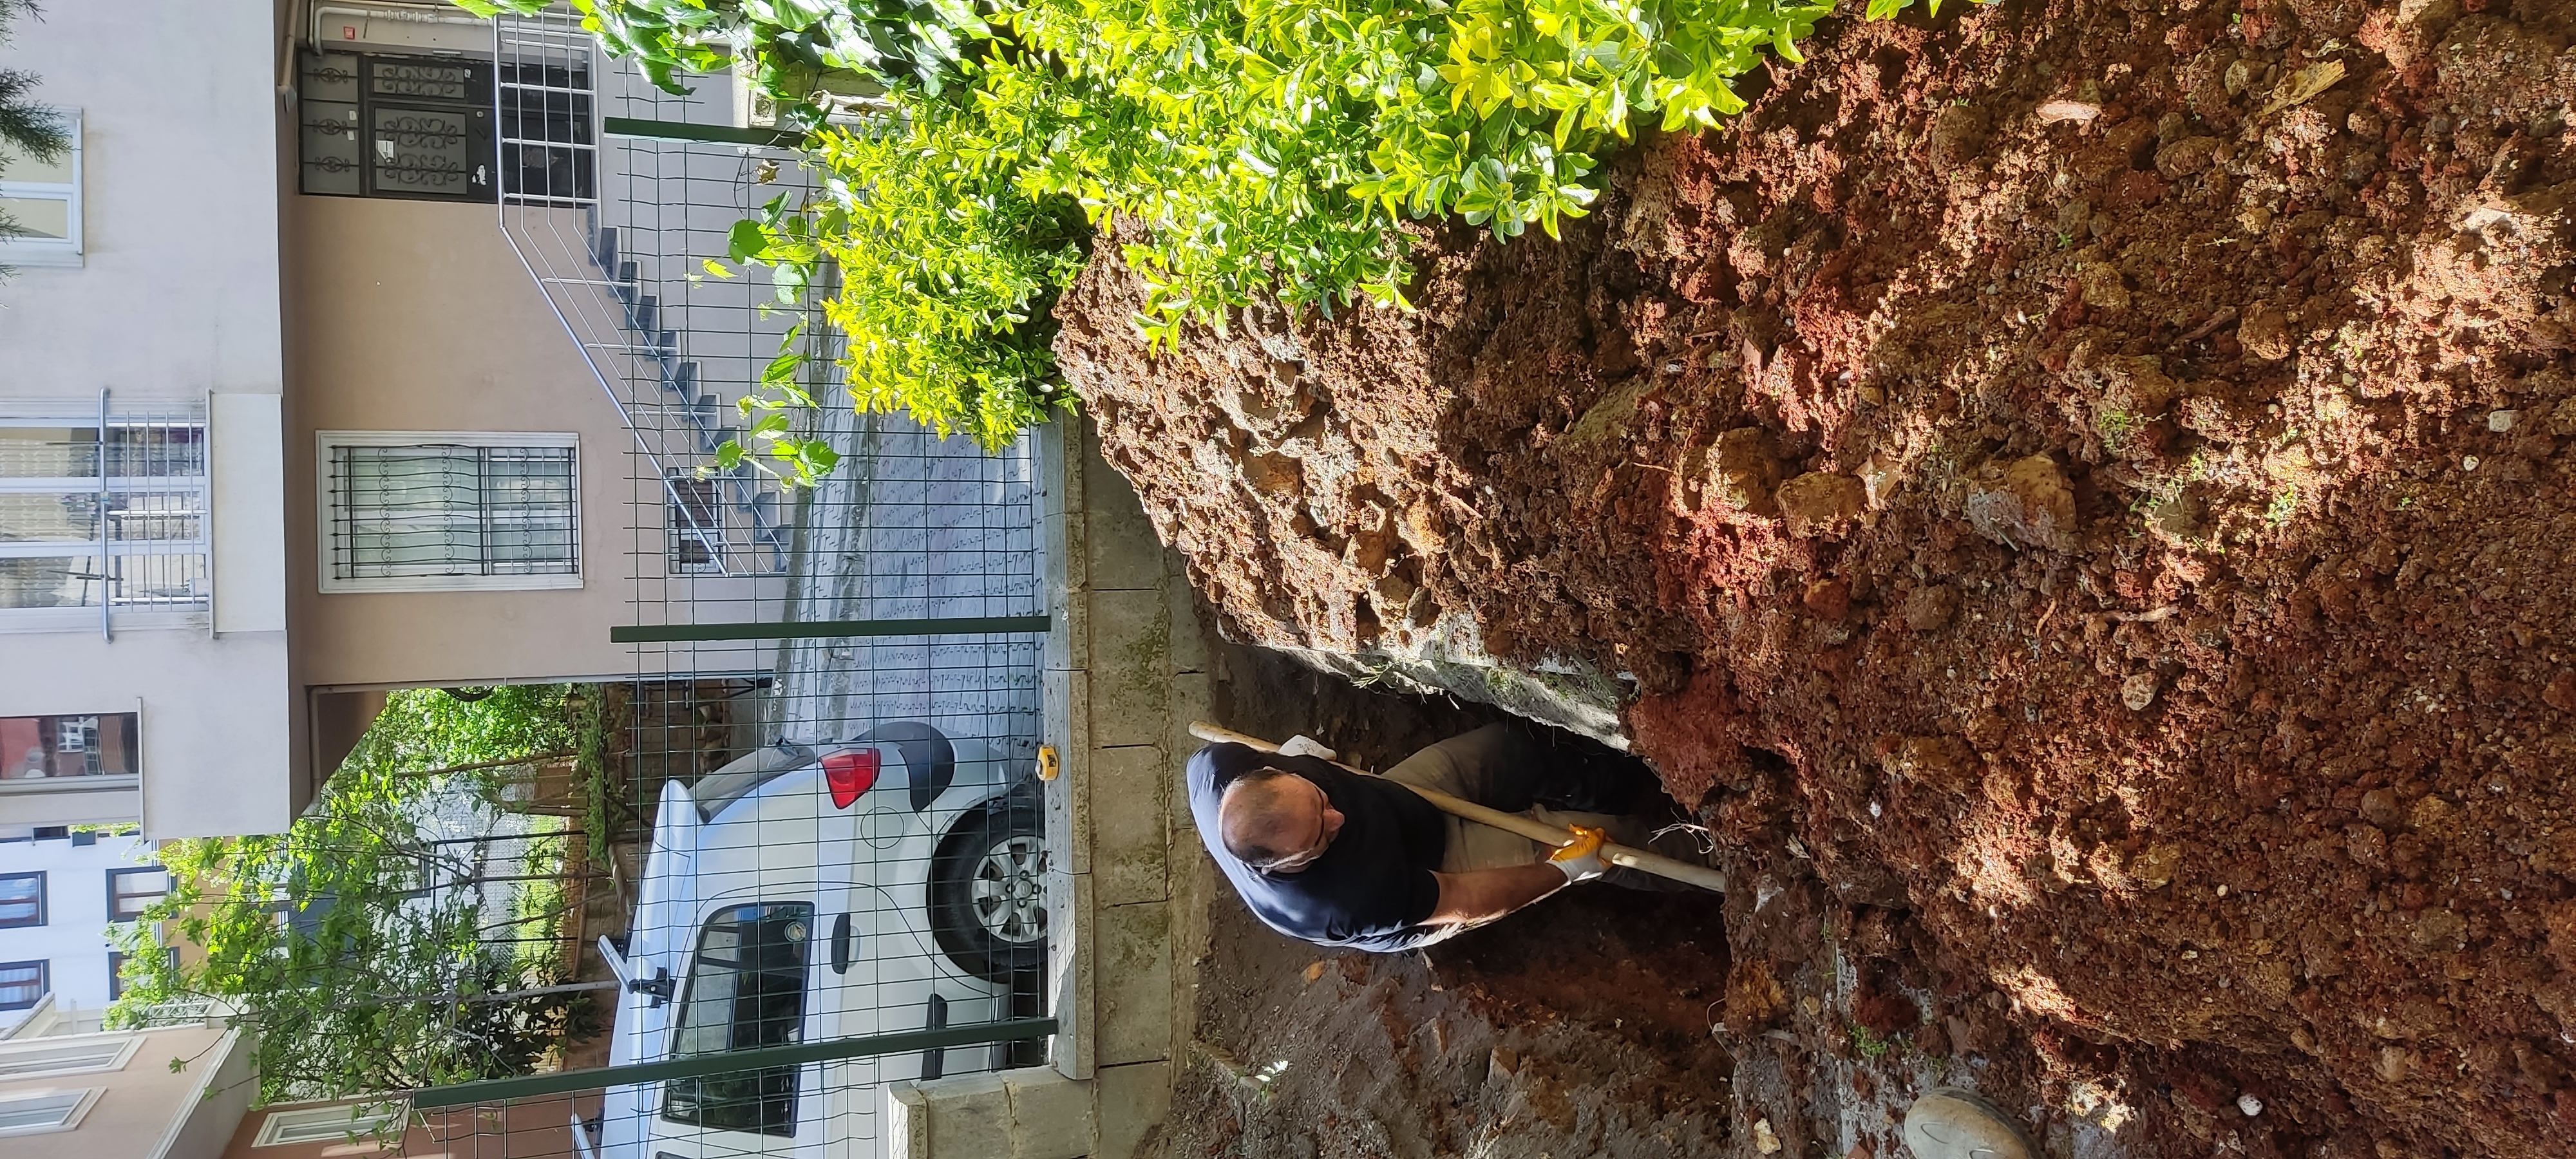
<point x="423" y="512"/>
<point x="22" y="899"/>
<point x="21" y="984"/>
<point x="132" y="891"/>
<point x="548" y="150"/>
<point x="86" y="521"/>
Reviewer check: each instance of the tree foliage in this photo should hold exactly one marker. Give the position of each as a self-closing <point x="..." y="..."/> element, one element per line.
<point x="372" y="953"/>
<point x="1269" y="148"/>
<point x="423" y="729"/>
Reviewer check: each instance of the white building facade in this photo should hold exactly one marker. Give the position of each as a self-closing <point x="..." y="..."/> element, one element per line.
<point x="59" y="893"/>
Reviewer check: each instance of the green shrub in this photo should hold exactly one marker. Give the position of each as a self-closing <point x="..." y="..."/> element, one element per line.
<point x="1270" y="148"/>
<point x="942" y="269"/>
<point x="787" y="44"/>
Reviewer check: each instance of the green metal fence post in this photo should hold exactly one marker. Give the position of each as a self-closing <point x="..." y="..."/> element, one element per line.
<point x="688" y="131"/>
<point x="699" y="1066"/>
<point x="821" y="630"/>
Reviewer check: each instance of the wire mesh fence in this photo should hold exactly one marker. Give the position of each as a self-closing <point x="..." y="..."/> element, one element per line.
<point x="833" y="872"/>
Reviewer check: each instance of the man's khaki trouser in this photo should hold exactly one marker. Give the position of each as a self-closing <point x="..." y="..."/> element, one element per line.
<point x="1496" y="768"/>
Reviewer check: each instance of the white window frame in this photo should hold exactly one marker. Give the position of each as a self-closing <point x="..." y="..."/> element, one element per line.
<point x="72" y="1115"/>
<point x="121" y="1046"/>
<point x="325" y="441"/>
<point x="295" y="1127"/>
<point x="45" y="251"/>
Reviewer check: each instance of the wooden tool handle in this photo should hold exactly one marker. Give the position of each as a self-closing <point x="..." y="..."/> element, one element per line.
<point x="1536" y="830"/>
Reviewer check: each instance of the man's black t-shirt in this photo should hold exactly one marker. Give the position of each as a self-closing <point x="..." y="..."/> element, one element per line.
<point x="1371" y="889"/>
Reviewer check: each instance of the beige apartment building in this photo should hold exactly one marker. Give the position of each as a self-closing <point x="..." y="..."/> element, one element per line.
<point x="178" y="1091"/>
<point x="284" y="421"/>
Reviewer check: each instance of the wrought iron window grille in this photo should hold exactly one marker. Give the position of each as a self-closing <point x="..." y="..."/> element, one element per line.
<point x="418" y="512"/>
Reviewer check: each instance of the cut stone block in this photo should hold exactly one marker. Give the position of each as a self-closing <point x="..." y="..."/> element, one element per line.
<point x="1068" y="608"/>
<point x="1131" y="637"/>
<point x="967" y="1117"/>
<point x="1072" y="968"/>
<point x="1131" y="1100"/>
<point x="1133" y="984"/>
<point x="1129" y="802"/>
<point x="1050" y="1115"/>
<point x="1124" y="552"/>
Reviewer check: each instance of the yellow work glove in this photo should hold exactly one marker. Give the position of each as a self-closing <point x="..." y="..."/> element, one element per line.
<point x="1581" y="858"/>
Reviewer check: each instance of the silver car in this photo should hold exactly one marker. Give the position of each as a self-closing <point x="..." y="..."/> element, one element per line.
<point x="882" y="885"/>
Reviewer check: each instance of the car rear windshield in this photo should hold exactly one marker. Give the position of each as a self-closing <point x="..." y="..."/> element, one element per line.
<point x="746" y="989"/>
<point x="735" y="781"/>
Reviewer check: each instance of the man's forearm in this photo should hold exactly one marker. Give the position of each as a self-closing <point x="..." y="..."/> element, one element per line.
<point x="1486" y="894"/>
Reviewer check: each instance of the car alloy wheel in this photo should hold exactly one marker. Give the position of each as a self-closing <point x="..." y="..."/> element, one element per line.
<point x="1010" y="890"/>
<point x="988" y="903"/>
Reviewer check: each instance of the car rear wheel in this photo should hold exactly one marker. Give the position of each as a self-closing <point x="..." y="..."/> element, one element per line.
<point x="988" y="893"/>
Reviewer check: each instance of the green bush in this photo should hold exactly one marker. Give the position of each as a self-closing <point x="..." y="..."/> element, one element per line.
<point x="1269" y="148"/>
<point x="787" y="44"/>
<point x="944" y="268"/>
<point x="1273" y="147"/>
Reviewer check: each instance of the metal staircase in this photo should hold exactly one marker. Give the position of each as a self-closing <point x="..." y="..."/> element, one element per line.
<point x="613" y="231"/>
<point x="679" y="380"/>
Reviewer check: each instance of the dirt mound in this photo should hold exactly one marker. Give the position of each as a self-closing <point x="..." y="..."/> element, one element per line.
<point x="2084" y="488"/>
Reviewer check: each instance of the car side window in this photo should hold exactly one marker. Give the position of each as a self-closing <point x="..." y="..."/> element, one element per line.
<point x="745" y="990"/>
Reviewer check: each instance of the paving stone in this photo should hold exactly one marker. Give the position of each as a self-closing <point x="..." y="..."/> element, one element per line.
<point x="1189" y="643"/>
<point x="1131" y="671"/>
<point x="1050" y="1115"/>
<point x="1129" y="1101"/>
<point x="1129" y="830"/>
<point x="1133" y="984"/>
<point x="1123" y="552"/>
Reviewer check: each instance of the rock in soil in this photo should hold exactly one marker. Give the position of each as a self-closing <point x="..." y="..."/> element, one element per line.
<point x="2354" y="609"/>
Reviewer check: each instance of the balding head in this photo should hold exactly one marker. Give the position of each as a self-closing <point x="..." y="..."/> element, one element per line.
<point x="1276" y="821"/>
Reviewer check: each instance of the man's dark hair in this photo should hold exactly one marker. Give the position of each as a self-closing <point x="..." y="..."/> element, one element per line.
<point x="1249" y="841"/>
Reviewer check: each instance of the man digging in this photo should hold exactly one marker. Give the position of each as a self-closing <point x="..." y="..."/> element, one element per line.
<point x="1338" y="858"/>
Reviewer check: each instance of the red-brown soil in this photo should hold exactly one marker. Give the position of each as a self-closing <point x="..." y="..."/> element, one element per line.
<point x="2095" y="526"/>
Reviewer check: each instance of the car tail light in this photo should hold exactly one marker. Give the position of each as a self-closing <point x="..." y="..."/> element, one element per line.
<point x="849" y="774"/>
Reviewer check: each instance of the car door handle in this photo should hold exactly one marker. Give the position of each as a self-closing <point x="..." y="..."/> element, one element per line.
<point x="841" y="944"/>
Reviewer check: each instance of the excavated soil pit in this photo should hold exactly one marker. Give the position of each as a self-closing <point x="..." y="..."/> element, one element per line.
<point x="1579" y="1027"/>
<point x="2079" y="494"/>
